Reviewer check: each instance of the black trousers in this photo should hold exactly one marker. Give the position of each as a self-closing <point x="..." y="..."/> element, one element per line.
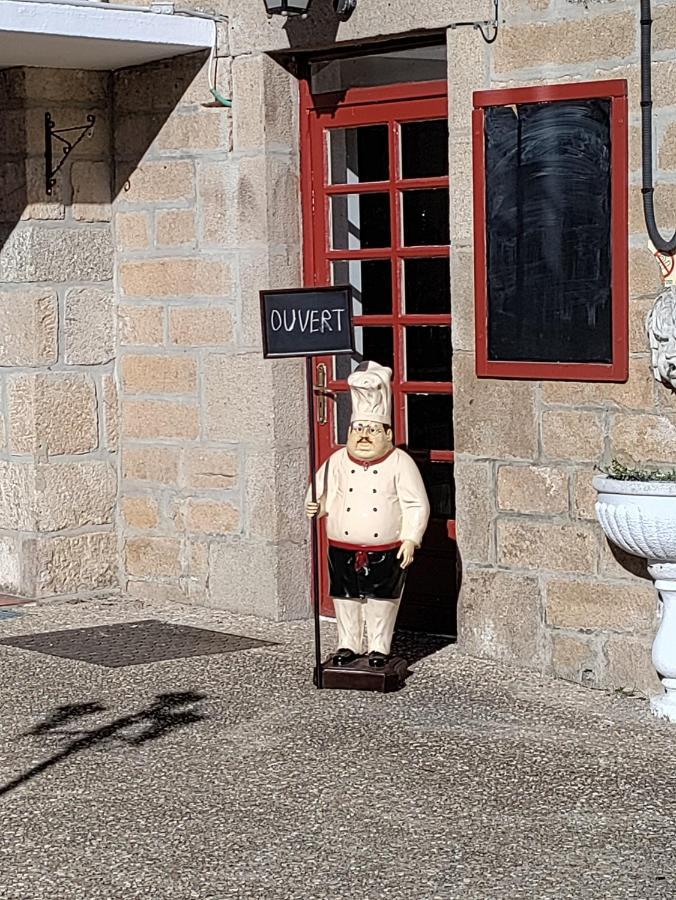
<point x="381" y="576"/>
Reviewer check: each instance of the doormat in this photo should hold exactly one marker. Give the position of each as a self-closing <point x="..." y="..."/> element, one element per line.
<point x="133" y="643"/>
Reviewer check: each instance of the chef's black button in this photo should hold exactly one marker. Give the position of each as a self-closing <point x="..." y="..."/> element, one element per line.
<point x="375" y="471"/>
<point x="352" y="471"/>
<point x="351" y="489"/>
<point x="349" y="508"/>
<point x="376" y="534"/>
<point x="374" y="490"/>
<point x="375" y="509"/>
<point x="347" y="532"/>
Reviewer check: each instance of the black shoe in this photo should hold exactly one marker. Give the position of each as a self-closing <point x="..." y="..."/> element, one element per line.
<point x="378" y="660"/>
<point x="343" y="657"/>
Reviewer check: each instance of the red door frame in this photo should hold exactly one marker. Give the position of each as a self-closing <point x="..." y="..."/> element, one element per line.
<point x="367" y="106"/>
<point x="618" y="370"/>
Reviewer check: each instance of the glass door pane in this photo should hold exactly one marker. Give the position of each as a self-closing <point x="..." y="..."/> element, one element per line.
<point x="370" y="343"/>
<point x="371" y="281"/>
<point x="430" y="421"/>
<point x="438" y="478"/>
<point x="424" y="149"/>
<point x="393" y="67"/>
<point x="428" y="353"/>
<point x="427" y="285"/>
<point x="360" y="221"/>
<point x="343" y="413"/>
<point x="359" y="155"/>
<point x="426" y="217"/>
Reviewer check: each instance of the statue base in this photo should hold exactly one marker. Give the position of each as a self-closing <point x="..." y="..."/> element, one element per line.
<point x="360" y="676"/>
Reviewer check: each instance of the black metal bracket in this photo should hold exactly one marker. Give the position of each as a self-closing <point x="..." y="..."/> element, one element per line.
<point x="483" y="26"/>
<point x="52" y="134"/>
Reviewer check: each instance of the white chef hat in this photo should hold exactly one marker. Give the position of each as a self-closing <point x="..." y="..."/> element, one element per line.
<point x="371" y="389"/>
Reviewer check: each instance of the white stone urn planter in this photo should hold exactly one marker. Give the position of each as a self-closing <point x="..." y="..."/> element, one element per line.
<point x="640" y="517"/>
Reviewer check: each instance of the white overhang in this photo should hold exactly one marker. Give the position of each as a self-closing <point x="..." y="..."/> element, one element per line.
<point x="63" y="35"/>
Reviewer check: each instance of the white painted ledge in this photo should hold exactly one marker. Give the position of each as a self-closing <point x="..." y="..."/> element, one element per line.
<point x="65" y="36"/>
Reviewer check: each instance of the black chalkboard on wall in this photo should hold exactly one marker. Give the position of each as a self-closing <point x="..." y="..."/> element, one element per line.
<point x="550" y="241"/>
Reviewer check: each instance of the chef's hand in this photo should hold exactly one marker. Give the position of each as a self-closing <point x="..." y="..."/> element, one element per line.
<point x="311" y="509"/>
<point x="405" y="554"/>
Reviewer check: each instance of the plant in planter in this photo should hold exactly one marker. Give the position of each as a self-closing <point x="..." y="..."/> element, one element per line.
<point x="637" y="511"/>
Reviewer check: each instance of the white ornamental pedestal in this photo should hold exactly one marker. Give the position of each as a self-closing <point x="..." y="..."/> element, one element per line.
<point x="640" y="517"/>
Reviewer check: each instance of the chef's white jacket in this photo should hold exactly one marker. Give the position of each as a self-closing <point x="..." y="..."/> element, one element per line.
<point x="372" y="503"/>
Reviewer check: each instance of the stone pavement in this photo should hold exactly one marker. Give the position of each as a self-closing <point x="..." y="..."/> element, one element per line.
<point x="243" y="781"/>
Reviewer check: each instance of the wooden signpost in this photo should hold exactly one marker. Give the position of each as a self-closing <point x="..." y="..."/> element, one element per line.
<point x="307" y="322"/>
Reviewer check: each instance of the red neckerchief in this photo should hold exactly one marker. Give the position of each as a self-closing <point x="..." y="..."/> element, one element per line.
<point x="367" y="463"/>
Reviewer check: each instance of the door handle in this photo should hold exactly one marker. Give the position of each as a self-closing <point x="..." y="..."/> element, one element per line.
<point x="320" y="390"/>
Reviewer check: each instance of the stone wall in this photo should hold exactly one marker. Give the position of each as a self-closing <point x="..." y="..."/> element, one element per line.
<point x="207" y="482"/>
<point x="213" y="438"/>
<point x="541" y="585"/>
<point x="58" y="480"/>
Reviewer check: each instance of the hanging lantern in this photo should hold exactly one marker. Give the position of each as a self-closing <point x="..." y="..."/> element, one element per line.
<point x="287" y="7"/>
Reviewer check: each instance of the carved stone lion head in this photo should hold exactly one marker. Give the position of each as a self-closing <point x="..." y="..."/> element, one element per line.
<point x="661" y="329"/>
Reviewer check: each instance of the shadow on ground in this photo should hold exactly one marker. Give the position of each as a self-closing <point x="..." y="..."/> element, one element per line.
<point x="416" y="645"/>
<point x="167" y="713"/>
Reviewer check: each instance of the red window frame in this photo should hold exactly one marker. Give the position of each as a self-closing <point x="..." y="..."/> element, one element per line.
<point x="618" y="369"/>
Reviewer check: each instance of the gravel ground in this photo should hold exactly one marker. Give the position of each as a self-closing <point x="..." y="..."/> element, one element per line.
<point x="232" y="777"/>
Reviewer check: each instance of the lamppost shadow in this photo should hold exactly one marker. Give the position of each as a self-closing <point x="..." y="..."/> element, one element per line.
<point x="167" y="713"/>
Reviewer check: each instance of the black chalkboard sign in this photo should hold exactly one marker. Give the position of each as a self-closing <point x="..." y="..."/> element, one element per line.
<point x="307" y="322"/>
<point x="549" y="232"/>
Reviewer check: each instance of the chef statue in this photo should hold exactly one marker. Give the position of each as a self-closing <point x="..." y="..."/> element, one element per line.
<point x="376" y="510"/>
